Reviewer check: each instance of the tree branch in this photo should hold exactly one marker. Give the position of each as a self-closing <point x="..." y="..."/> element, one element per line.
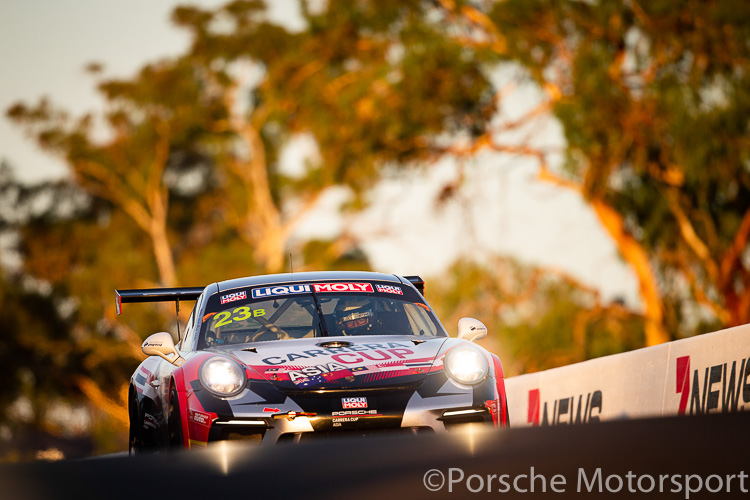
<point x="633" y="253"/>
<point x="733" y="254"/>
<point x="690" y="236"/>
<point x="110" y="188"/>
<point x="698" y="290"/>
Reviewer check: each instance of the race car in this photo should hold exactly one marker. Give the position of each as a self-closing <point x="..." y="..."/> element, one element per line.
<point x="293" y="357"/>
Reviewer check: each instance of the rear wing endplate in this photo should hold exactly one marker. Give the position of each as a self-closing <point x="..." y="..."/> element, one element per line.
<point x="417" y="282"/>
<point x="156" y="295"/>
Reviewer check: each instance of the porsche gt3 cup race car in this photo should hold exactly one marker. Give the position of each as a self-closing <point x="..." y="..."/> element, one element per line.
<point x="293" y="357"/>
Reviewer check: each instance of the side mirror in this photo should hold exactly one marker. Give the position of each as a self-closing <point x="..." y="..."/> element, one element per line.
<point x="161" y="344"/>
<point x="471" y="329"/>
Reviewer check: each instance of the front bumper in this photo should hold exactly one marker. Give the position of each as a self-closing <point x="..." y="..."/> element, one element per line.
<point x="434" y="406"/>
<point x="303" y="428"/>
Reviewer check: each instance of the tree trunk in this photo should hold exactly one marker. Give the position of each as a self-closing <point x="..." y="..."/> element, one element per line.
<point x="635" y="255"/>
<point x="163" y="254"/>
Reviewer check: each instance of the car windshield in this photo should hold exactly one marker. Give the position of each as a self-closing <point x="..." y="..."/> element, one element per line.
<point x="256" y="314"/>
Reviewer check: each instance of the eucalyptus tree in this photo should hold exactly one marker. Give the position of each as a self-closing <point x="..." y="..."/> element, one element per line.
<point x="180" y="179"/>
<point x="653" y="98"/>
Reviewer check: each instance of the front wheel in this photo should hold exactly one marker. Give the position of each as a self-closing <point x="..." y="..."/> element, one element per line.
<point x="174" y="423"/>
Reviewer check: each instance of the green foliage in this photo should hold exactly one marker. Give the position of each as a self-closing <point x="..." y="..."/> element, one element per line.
<point x="371" y="84"/>
<point x="334" y="256"/>
<point x="33" y="336"/>
<point x="654" y="105"/>
<point x="536" y="320"/>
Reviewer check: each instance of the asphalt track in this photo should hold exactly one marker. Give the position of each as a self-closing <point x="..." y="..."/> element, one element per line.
<point x="391" y="467"/>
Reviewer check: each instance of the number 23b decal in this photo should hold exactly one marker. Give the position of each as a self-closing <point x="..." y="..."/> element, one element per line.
<point x="239" y="314"/>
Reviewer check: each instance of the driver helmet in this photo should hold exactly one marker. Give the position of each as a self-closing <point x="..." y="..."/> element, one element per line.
<point x="354" y="316"/>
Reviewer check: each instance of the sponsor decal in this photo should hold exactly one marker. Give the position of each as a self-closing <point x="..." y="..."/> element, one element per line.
<point x="337" y="421"/>
<point x="274" y="291"/>
<point x="200" y="418"/>
<point x="566" y="410"/>
<point x="389" y="289"/>
<point x="713" y="389"/>
<point x="348" y="355"/>
<point x="348" y="403"/>
<point x="233" y="297"/>
<point x="280" y="290"/>
<point x="342" y="287"/>
<point x="309" y="371"/>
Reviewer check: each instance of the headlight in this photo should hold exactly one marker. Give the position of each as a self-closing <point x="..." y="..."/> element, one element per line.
<point x="466" y="364"/>
<point x="222" y="376"/>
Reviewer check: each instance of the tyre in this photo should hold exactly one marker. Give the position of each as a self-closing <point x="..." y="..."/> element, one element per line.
<point x="134" y="439"/>
<point x="175" y="440"/>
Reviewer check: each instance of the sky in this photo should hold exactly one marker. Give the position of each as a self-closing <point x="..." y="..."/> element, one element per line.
<point x="501" y="210"/>
<point x="46" y="44"/>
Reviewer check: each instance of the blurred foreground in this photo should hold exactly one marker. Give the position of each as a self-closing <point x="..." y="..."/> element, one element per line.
<point x="629" y="457"/>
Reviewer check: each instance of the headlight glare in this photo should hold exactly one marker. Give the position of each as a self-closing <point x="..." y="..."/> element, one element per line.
<point x="222" y="376"/>
<point x="466" y="364"/>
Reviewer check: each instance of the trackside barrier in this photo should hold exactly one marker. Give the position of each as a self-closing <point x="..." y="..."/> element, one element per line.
<point x="688" y="458"/>
<point x="700" y="375"/>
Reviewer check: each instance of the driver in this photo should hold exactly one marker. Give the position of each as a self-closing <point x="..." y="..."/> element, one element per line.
<point x="355" y="316"/>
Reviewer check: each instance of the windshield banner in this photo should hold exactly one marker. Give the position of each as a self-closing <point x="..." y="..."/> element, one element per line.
<point x="316" y="287"/>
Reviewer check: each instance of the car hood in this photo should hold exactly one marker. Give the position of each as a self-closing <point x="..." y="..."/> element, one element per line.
<point x="341" y="362"/>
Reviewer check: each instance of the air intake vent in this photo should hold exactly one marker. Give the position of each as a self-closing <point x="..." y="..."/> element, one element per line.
<point x="334" y="344"/>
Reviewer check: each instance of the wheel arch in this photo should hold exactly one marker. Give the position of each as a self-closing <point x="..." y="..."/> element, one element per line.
<point x="500" y="387"/>
<point x="177" y="382"/>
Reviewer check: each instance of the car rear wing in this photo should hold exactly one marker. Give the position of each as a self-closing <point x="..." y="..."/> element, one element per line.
<point x="417" y="282"/>
<point x="156" y="295"/>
